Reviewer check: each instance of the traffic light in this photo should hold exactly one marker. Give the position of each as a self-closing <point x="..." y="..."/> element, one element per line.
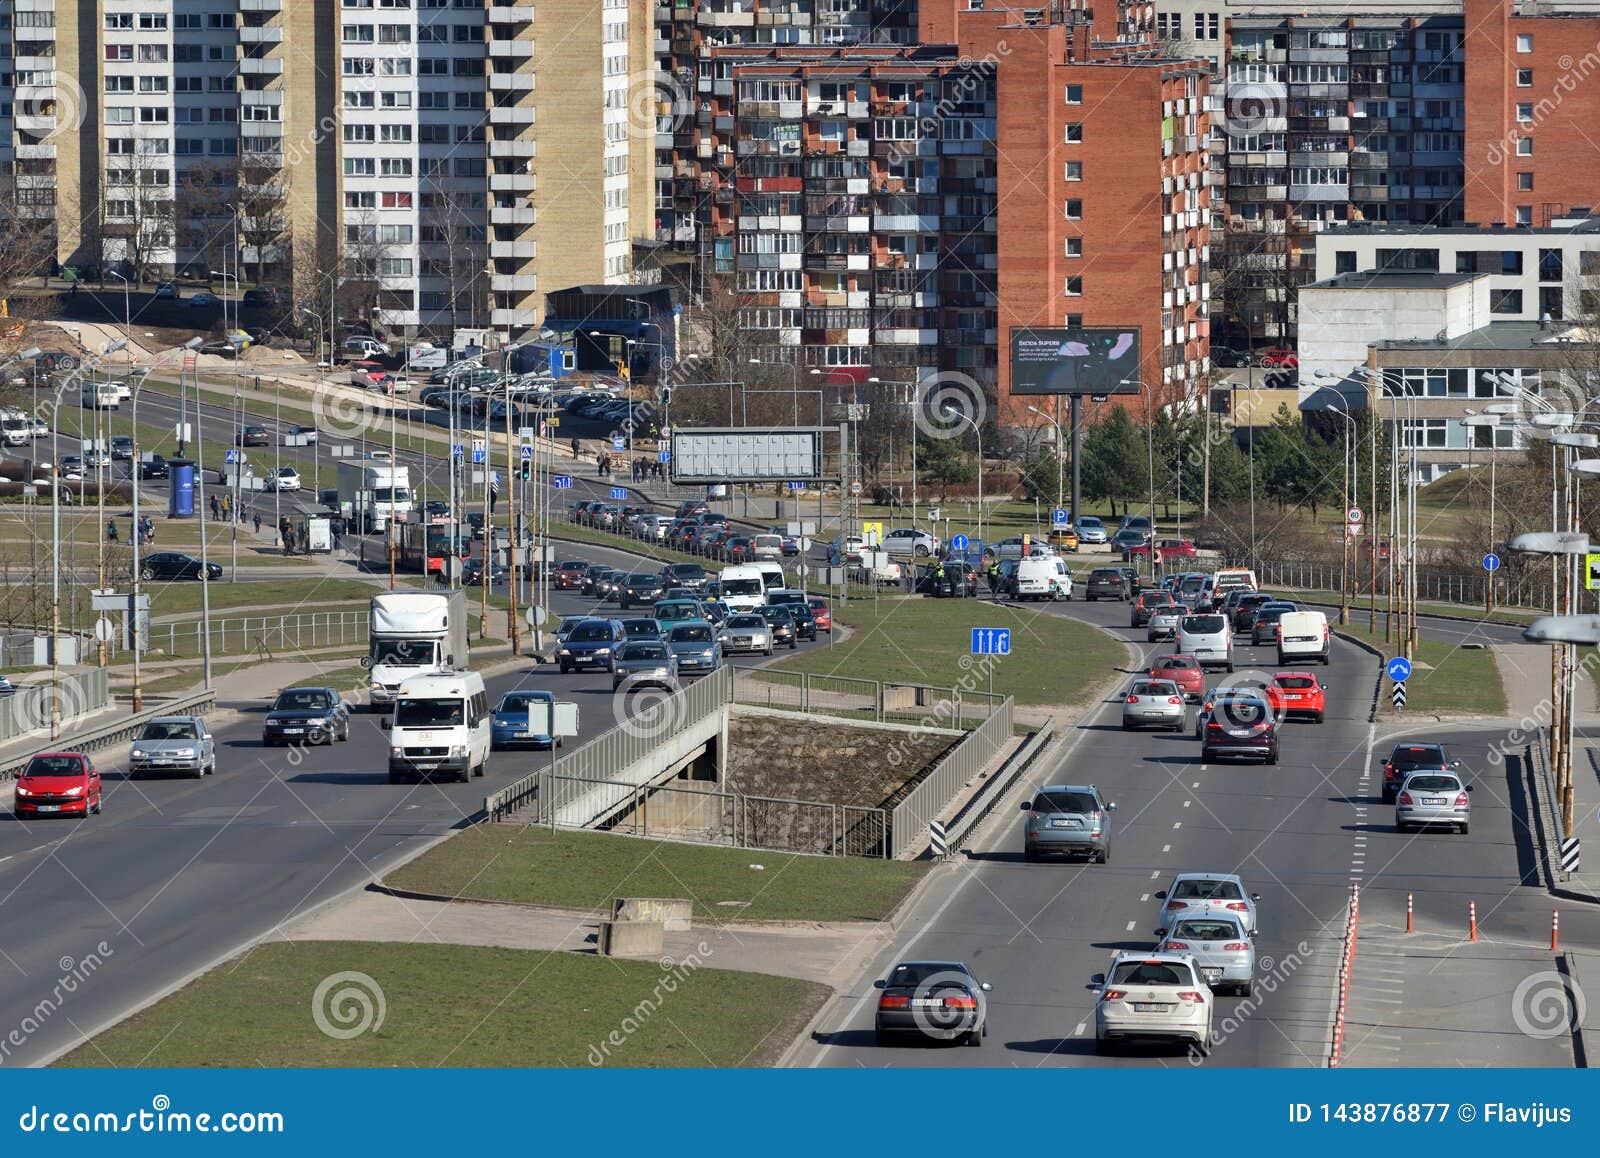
<point x="526" y="469"/>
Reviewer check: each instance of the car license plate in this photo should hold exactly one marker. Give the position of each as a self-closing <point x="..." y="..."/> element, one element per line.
<point x="1151" y="715"/>
<point x="1150" y="1007"/>
<point x="49" y="808"/>
<point x="1212" y="974"/>
<point x="1066" y="823"/>
<point x="928" y="1002"/>
<point x="1434" y="800"/>
<point x="292" y="731"/>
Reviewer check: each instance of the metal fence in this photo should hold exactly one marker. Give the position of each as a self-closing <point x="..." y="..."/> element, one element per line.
<point x="125" y="728"/>
<point x="882" y="702"/>
<point x="704" y="813"/>
<point x="1529" y="590"/>
<point x="270" y="634"/>
<point x="616" y="749"/>
<point x="959" y="765"/>
<point x="32" y="705"/>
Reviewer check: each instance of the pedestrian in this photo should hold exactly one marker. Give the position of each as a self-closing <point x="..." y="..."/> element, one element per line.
<point x="994" y="576"/>
<point x="216" y="512"/>
<point x="227" y="506"/>
<point x="111" y="530"/>
<point x="575" y="448"/>
<point x="258" y="522"/>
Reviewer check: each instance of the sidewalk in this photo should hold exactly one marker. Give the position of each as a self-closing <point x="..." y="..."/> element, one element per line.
<point x="827" y="953"/>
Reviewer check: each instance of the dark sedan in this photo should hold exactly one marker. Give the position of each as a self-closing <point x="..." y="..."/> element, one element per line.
<point x="253" y="436"/>
<point x="782" y="624"/>
<point x="639" y="587"/>
<point x="940" y="1000"/>
<point x="306" y="715"/>
<point x="153" y="467"/>
<point x="175" y="565"/>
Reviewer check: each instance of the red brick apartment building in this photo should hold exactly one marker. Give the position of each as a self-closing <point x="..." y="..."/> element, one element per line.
<point x="886" y="205"/>
<point x="1533" y="113"/>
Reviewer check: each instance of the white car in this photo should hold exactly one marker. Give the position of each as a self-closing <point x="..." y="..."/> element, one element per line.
<point x="124" y="392"/>
<point x="908" y="542"/>
<point x="1152" y="996"/>
<point x="96" y="458"/>
<point x="286" y="479"/>
<point x="1043" y="578"/>
<point x="1208" y="638"/>
<point x="1202" y="894"/>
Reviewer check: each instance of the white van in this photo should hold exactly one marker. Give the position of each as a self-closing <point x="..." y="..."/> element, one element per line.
<point x="1303" y="635"/>
<point x="1208" y="638"/>
<point x="772" y="576"/>
<point x="1046" y="577"/>
<point x="440" y="727"/>
<point x="1229" y="579"/>
<point x="101" y="396"/>
<point x="742" y="588"/>
<point x="16" y="429"/>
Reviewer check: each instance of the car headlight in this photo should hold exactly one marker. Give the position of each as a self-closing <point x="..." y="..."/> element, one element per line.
<point x="563" y="651"/>
<point x="78" y="791"/>
<point x="21" y="791"/>
<point x="137" y="754"/>
<point x="602" y="651"/>
<point x="707" y="653"/>
<point x="375" y="686"/>
<point x="458" y="750"/>
<point x="396" y="752"/>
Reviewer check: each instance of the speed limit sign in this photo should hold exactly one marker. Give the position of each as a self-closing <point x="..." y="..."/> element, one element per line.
<point x="1353" y="515"/>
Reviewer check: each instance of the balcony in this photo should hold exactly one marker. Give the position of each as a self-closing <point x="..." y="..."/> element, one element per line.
<point x="512" y="215"/>
<point x="733" y="19"/>
<point x="517" y="250"/>
<point x="35" y="64"/>
<point x="514" y="283"/>
<point x="521" y="148"/>
<point x="504" y="48"/>
<point x="260" y="66"/>
<point x="511" y="81"/>
<point x="511" y="115"/>
<point x="260" y="34"/>
<point x="260" y="5"/>
<point x="261" y="96"/>
<point x="505" y="14"/>
<point x="513" y="319"/>
<point x="38" y="123"/>
<point x="512" y="182"/>
<point x="45" y="152"/>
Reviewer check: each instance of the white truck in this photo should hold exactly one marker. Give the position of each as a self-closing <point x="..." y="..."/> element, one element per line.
<point x="413" y="632"/>
<point x="372" y="491"/>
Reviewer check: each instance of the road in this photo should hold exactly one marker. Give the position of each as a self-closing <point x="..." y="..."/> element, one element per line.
<point x="1298" y="833"/>
<point x="175" y="875"/>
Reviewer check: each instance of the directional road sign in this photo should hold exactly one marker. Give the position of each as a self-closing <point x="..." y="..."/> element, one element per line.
<point x="795" y="486"/>
<point x="562" y="482"/>
<point x="991" y="641"/>
<point x="664" y="456"/>
<point x="1399" y="695"/>
<point x="958" y="542"/>
<point x="1399" y="669"/>
<point x="1491" y="562"/>
<point x="480" y="453"/>
<point x="619" y="492"/>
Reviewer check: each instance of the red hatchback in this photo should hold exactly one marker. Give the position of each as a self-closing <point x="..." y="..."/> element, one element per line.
<point x="1183" y="670"/>
<point x="58" y="784"/>
<point x="1297" y="693"/>
<point x="569" y="576"/>
<point x="822" y="615"/>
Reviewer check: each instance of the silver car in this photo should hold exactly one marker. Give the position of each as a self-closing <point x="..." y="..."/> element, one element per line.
<point x="1148" y="996"/>
<point x="1433" y="798"/>
<point x="1208" y="638"/>
<point x="173" y="744"/>
<point x="645" y="663"/>
<point x="745" y="634"/>
<point x="1220" y="947"/>
<point x="1153" y="703"/>
<point x="1068" y="818"/>
<point x="1163" y="622"/>
<point x="1207" y="894"/>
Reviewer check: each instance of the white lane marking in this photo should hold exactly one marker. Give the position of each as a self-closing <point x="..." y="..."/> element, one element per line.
<point x="1078" y="1029"/>
<point x="1131" y="924"/>
<point x="1186" y="803"/>
<point x="1177" y="824"/>
<point x="1164" y="848"/>
<point x="1154" y="873"/>
<point x="1143" y="897"/>
<point x="1196" y="784"/>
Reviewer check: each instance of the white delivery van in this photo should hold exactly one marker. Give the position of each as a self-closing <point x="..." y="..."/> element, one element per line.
<point x="742" y="588"/>
<point x="440" y="727"/>
<point x="1303" y="635"/>
<point x="772" y="576"/>
<point x="1230" y="579"/>
<point x="1208" y="638"/>
<point x="1044" y="577"/>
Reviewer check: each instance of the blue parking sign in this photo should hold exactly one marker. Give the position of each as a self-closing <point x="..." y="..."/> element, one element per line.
<point x="619" y="492"/>
<point x="991" y="641"/>
<point x="1059" y="517"/>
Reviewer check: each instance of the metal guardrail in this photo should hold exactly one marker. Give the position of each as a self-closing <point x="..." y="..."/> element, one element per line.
<point x="271" y="633"/>
<point x="615" y="749"/>
<point x="959" y="765"/>
<point x="986" y="799"/>
<point x="1529" y="592"/>
<point x="126" y="728"/>
<point x="30" y="707"/>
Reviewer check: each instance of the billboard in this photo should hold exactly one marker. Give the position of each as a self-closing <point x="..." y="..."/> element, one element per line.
<point x="747" y="454"/>
<point x="1101" y="360"/>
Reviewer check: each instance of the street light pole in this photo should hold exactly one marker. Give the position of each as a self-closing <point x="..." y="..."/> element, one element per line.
<point x="1060" y="460"/>
<point x="952" y="411"/>
<point x="1344" y="533"/>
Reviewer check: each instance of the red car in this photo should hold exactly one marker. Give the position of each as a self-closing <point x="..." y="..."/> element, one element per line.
<point x="1297" y="693"/>
<point x="570" y="576"/>
<point x="1170" y="549"/>
<point x="1281" y="358"/>
<point x="822" y="614"/>
<point x="1183" y="670"/>
<point x="58" y="784"/>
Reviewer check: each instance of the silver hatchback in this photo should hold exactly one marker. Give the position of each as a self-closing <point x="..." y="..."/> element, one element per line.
<point x="1153" y="703"/>
<point x="1220" y="947"/>
<point x="1433" y="798"/>
<point x="1163" y="622"/>
<point x="170" y="745"/>
<point x="1068" y="819"/>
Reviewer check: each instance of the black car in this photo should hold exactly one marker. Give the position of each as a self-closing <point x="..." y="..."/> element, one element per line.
<point x="122" y="447"/>
<point x="306" y="715"/>
<point x="153" y="467"/>
<point x="690" y="575"/>
<point x="639" y="587"/>
<point x="782" y="624"/>
<point x="472" y="572"/>
<point x="1244" y="611"/>
<point x="175" y="565"/>
<point x="253" y="436"/>
<point x="593" y="575"/>
<point x="1238" y="724"/>
<point x="1106" y="583"/>
<point x="1409" y="758"/>
<point x="940" y="1000"/>
<point x="805" y="625"/>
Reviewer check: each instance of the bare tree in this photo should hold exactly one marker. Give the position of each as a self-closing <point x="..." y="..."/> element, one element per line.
<point x="261" y="189"/>
<point x="454" y="240"/>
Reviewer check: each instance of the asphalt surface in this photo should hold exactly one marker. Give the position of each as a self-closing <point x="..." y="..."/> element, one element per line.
<point x="175" y="875"/>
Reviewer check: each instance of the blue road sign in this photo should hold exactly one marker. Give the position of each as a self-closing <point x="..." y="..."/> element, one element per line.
<point x="1399" y="669"/>
<point x="619" y="492"/>
<point x="1491" y="562"/>
<point x="527" y="452"/>
<point x="619" y="443"/>
<point x="562" y="482"/>
<point x="991" y="641"/>
<point x="958" y="542"/>
<point x="231" y="456"/>
<point x="795" y="486"/>
<point x="664" y="456"/>
<point x="480" y="454"/>
<point x="458" y="451"/>
<point x="1059" y="517"/>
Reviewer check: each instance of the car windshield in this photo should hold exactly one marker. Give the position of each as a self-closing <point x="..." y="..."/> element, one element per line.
<point x="1151" y="973"/>
<point x="404" y="652"/>
<point x="1194" y="889"/>
<point x="1209" y="930"/>
<point x="1269" y="614"/>
<point x="741" y="587"/>
<point x="1295" y="683"/>
<point x="574" y="565"/>
<point x="1087" y="521"/>
<point x="589" y="633"/>
<point x="168" y="730"/>
<point x="1420" y="783"/>
<point x="641" y="580"/>
<point x="410" y="712"/>
<point x="691" y="634"/>
<point x="671" y="611"/>
<point x="568" y="623"/>
<point x="54" y="766"/>
<point x="1240" y="709"/>
<point x="645" y="651"/>
<point x="1153" y="598"/>
<point x="1417" y="758"/>
<point x="919" y="973"/>
<point x="754" y="622"/>
<point x="637" y="628"/>
<point x="1203" y="624"/>
<point x="1178" y="663"/>
<point x="682" y="571"/>
<point x="1065" y="802"/>
<point x="1105" y="574"/>
<point x="519" y="701"/>
<point x="777" y="614"/>
<point x="1153" y="688"/>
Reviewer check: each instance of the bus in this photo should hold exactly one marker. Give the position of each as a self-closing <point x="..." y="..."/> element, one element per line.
<point x="424" y="547"/>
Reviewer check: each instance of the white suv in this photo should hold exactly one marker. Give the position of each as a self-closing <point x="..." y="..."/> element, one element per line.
<point x="1208" y="638"/>
<point x="1147" y="996"/>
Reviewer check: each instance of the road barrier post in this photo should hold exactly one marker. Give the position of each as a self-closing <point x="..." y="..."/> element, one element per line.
<point x="1472" y="920"/>
<point x="1555" y="930"/>
<point x="1410" y="924"/>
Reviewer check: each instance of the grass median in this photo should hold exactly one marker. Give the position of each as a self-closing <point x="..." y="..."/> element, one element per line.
<point x="451" y="1005"/>
<point x="585" y="870"/>
<point x="1446" y="678"/>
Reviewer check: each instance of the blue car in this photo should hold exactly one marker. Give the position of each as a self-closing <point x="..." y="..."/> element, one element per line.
<point x="593" y="643"/>
<point x="696" y="645"/>
<point x="508" y="728"/>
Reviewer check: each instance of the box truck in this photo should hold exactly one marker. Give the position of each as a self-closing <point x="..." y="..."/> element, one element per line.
<point x="413" y="632"/>
<point x="372" y="491"/>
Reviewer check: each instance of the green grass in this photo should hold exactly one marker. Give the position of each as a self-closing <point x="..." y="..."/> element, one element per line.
<point x="585" y="870"/>
<point x="1053" y="660"/>
<point x="285" y="597"/>
<point x="449" y="1005"/>
<point x="1445" y="678"/>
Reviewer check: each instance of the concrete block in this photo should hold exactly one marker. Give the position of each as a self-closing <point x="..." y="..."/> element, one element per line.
<point x="631" y="938"/>
<point x="673" y="914"/>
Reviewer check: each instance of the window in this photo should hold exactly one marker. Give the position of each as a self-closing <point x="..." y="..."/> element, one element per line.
<point x="1525" y="112"/>
<point x="1074" y="247"/>
<point x="359" y="200"/>
<point x="1550" y="265"/>
<point x="396" y="201"/>
<point x="1074" y="209"/>
<point x="1524" y="214"/>
<point x="1524" y="182"/>
<point x="1073" y="287"/>
<point x="1524" y="43"/>
<point x="1074" y="94"/>
<point x="1075" y="133"/>
<point x="1524" y="146"/>
<point x="1505" y="301"/>
<point x="1074" y="171"/>
<point x="1524" y="78"/>
<point x="1511" y="262"/>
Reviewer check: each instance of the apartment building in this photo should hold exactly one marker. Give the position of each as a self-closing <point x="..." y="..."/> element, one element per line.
<point x="398" y="153"/>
